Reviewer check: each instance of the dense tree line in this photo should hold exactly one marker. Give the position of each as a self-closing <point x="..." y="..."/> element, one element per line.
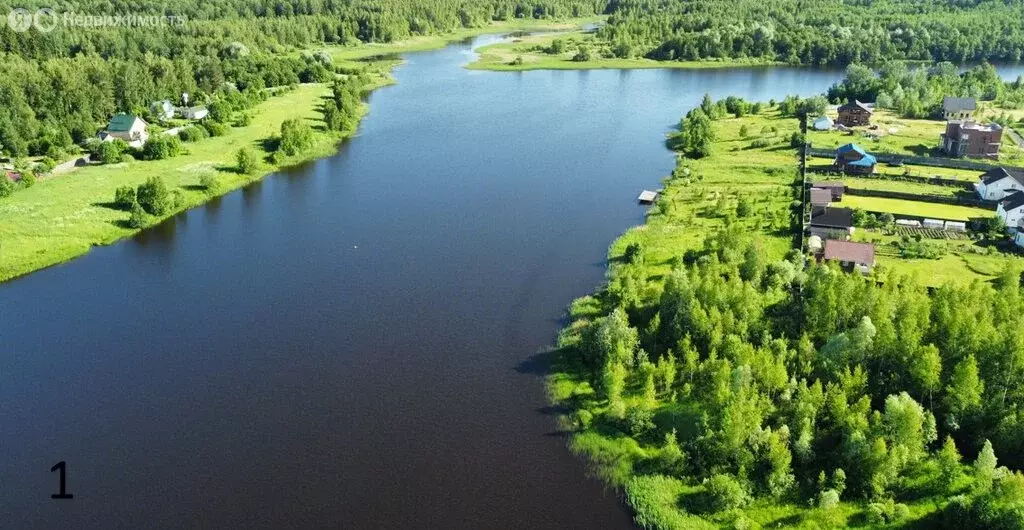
<point x="918" y="92"/>
<point x="817" y="32"/>
<point x="60" y="87"/>
<point x="810" y="383"/>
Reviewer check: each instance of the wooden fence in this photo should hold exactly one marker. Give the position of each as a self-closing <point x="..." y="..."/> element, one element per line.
<point x="933" y="161"/>
<point x="920" y="197"/>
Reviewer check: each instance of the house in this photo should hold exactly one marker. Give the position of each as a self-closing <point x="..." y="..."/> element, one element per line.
<point x="823" y="123"/>
<point x="832" y="223"/>
<point x="970" y="139"/>
<point x="998" y="182"/>
<point x="958" y="108"/>
<point x="162" y="110"/>
<point x="854" y="114"/>
<point x="853" y="159"/>
<point x="131" y="129"/>
<point x="1011" y="210"/>
<point x="193" y="113"/>
<point x="821" y="197"/>
<point x="1018" y="238"/>
<point x="835" y="187"/>
<point x="850" y="255"/>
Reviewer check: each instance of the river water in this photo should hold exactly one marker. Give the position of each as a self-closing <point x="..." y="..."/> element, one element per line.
<point x="355" y="343"/>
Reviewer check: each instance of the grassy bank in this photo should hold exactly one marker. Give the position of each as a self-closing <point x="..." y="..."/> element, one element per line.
<point x="535" y="53"/>
<point x="62" y="217"/>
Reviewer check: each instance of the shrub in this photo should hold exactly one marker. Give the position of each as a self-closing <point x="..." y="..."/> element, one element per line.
<point x="110" y="152"/>
<point x="296" y="136"/>
<point x="209" y="182"/>
<point x="154" y="197"/>
<point x="639" y="421"/>
<point x="215" y="128"/>
<point x="193" y="133"/>
<point x="581" y="419"/>
<point x="138" y="218"/>
<point x="760" y="143"/>
<point x="243" y="120"/>
<point x="248" y="162"/>
<point x="6" y="186"/>
<point x="724" y="493"/>
<point x="28" y="179"/>
<point x="124" y="198"/>
<point x="160" y="147"/>
<point x="45" y="166"/>
<point x="582" y="56"/>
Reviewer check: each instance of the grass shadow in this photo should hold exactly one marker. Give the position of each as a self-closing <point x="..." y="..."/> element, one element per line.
<point x="110" y="205"/>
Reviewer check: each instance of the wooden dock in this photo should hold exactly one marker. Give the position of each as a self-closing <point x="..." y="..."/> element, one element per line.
<point x="647" y="197"/>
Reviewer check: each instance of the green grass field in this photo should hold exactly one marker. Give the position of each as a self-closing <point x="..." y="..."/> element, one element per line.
<point x="923" y="209"/>
<point x="904" y="137"/>
<point x="527" y="54"/>
<point x="64" y="216"/>
<point x="900" y="186"/>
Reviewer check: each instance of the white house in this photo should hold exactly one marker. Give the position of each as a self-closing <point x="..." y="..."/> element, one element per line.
<point x="1011" y="210"/>
<point x="162" y="110"/>
<point x="998" y="183"/>
<point x="131" y="129"/>
<point x="823" y="123"/>
<point x="193" y="113"/>
<point x="1018" y="238"/>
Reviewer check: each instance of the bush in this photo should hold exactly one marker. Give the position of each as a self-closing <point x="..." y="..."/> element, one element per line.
<point x="215" y="128"/>
<point x="110" y="152"/>
<point x="248" y="162"/>
<point x="138" y="218"/>
<point x="45" y="166"/>
<point x="193" y="133"/>
<point x="724" y="493"/>
<point x="296" y="136"/>
<point x="6" y="186"/>
<point x="639" y="421"/>
<point x="581" y="419"/>
<point x="582" y="56"/>
<point x="244" y="119"/>
<point x="160" y="147"/>
<point x="154" y="197"/>
<point x="28" y="179"/>
<point x="209" y="182"/>
<point x="760" y="143"/>
<point x="124" y="198"/>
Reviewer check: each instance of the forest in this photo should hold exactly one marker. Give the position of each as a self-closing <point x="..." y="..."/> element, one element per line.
<point x="818" y="32"/>
<point x="756" y="382"/>
<point x="61" y="87"/>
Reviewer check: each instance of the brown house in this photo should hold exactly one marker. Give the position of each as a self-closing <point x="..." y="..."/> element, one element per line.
<point x="850" y="255"/>
<point x="855" y="114"/>
<point x="831" y="223"/>
<point x="970" y="139"/>
<point x="835" y="187"/>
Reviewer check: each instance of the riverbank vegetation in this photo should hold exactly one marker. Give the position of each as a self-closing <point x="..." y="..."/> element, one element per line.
<point x="722" y="381"/>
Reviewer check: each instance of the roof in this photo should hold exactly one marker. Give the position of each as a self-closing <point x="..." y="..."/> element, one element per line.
<point x="851" y="147"/>
<point x="122" y="123"/>
<point x="999" y="173"/>
<point x="1013" y="201"/>
<point x="829" y="184"/>
<point x="952" y="104"/>
<point x="866" y="160"/>
<point x="823" y="118"/>
<point x="835" y="218"/>
<point x="820" y="196"/>
<point x="855" y="105"/>
<point x="860" y="253"/>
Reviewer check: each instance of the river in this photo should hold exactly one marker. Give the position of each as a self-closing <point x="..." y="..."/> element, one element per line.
<point x="357" y="342"/>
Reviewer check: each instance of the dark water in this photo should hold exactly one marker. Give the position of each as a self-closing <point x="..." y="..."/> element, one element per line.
<point x="351" y="344"/>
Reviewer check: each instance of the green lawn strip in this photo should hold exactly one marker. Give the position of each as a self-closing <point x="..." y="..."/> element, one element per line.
<point x="903" y="187"/>
<point x="924" y="209"/>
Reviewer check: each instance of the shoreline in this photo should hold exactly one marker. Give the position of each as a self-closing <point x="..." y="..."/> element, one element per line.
<point x="54" y="209"/>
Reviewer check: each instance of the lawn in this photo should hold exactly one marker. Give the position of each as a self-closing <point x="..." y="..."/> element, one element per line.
<point x="901" y="186"/>
<point x="64" y="216"/>
<point x="899" y="207"/>
<point x="902" y="136"/>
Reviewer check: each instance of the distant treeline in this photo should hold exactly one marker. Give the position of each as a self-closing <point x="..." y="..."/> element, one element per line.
<point x="818" y="32"/>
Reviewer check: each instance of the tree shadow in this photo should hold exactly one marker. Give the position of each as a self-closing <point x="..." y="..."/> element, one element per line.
<point x="228" y="169"/>
<point x="922" y="150"/>
<point x="193" y="187"/>
<point x="110" y="205"/>
<point x="538" y="364"/>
